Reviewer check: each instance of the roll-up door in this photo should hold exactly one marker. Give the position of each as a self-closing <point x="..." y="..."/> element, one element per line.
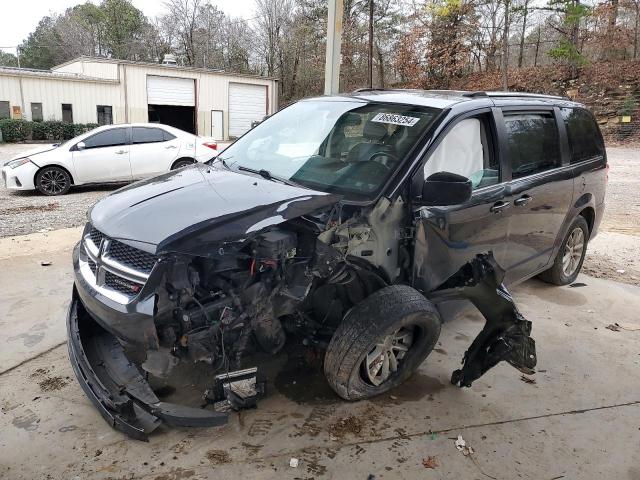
<point x="247" y="104"/>
<point x="170" y="91"/>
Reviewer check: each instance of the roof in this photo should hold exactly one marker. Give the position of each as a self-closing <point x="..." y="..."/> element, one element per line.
<point x="117" y="61"/>
<point x="32" y="72"/>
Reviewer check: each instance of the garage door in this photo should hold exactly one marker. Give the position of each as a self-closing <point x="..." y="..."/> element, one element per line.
<point x="247" y="103"/>
<point x="170" y="91"/>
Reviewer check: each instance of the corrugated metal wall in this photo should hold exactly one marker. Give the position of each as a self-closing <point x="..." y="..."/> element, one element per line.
<point x="52" y="93"/>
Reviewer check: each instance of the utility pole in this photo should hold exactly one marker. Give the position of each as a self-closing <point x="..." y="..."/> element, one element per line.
<point x="505" y="47"/>
<point x="370" y="72"/>
<point x="334" y="43"/>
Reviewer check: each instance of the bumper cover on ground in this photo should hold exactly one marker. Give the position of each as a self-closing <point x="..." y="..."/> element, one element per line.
<point x="116" y="386"/>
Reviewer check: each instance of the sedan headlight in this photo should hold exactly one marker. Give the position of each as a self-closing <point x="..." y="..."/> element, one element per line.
<point x="18" y="162"/>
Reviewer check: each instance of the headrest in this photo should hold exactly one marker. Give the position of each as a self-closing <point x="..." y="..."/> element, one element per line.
<point x="351" y="120"/>
<point x="374" y="131"/>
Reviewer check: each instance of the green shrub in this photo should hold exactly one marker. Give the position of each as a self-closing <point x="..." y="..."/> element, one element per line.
<point x="38" y="131"/>
<point x="15" y="130"/>
<point x="51" y="130"/>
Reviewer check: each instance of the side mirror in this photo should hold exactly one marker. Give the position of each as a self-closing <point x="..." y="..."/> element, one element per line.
<point x="80" y="146"/>
<point x="444" y="188"/>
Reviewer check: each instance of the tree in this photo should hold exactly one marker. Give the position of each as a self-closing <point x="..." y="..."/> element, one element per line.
<point x="123" y="27"/>
<point x="572" y="14"/>
<point x="8" y="59"/>
<point x="41" y="48"/>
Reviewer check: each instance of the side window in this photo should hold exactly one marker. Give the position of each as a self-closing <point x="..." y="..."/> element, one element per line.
<point x="36" y="112"/>
<point x="108" y="138"/>
<point x="532" y="143"/>
<point x="167" y="136"/>
<point x="585" y="140"/>
<point x="147" y="135"/>
<point x="5" y="111"/>
<point x="467" y="149"/>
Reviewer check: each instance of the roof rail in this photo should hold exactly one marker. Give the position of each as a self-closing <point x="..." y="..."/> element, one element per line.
<point x="512" y="94"/>
<point x="367" y="89"/>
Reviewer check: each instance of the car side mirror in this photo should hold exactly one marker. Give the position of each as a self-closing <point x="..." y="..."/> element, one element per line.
<point x="445" y="188"/>
<point x="80" y="146"/>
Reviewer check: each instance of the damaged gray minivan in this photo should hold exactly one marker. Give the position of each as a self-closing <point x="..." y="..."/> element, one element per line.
<point x="342" y="224"/>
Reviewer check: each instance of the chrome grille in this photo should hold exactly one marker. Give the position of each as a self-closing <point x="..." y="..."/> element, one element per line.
<point x="113" y="268"/>
<point x="131" y="257"/>
<point x="96" y="237"/>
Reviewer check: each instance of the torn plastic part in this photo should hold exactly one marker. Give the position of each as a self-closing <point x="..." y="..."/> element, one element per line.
<point x="506" y="333"/>
<point x="115" y="385"/>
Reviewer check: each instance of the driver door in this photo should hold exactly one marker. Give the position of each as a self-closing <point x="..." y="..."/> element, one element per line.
<point x="104" y="158"/>
<point x="448" y="237"/>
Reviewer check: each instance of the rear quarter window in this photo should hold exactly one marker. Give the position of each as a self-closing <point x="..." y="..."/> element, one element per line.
<point x="585" y="140"/>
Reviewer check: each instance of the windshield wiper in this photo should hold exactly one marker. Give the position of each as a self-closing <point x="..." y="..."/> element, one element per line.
<point x="267" y="175"/>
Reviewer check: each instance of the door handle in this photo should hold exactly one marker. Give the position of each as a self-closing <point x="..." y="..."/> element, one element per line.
<point x="499" y="206"/>
<point x="170" y="146"/>
<point x="120" y="152"/>
<point x="523" y="200"/>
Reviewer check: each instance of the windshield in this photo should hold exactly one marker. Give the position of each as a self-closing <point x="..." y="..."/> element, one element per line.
<point x="347" y="147"/>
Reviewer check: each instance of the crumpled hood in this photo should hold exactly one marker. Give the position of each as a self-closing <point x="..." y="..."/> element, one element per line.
<point x="34" y="152"/>
<point x="198" y="209"/>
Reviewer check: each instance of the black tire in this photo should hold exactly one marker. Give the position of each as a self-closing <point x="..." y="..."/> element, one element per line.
<point x="53" y="180"/>
<point x="557" y="274"/>
<point x="391" y="309"/>
<point x="183" y="162"/>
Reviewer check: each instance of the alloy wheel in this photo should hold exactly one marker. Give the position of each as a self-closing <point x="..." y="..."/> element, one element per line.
<point x="573" y="250"/>
<point x="53" y="181"/>
<point x="384" y="359"/>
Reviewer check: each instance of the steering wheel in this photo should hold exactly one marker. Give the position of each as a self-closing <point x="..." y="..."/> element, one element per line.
<point x="382" y="154"/>
<point x="381" y="169"/>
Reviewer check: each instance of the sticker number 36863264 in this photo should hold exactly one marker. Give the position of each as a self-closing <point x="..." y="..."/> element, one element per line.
<point x="395" y="119"/>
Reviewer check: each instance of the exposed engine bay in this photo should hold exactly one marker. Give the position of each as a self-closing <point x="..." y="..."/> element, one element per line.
<point x="297" y="279"/>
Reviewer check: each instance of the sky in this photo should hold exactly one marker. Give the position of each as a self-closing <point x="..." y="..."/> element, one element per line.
<point x="21" y="18"/>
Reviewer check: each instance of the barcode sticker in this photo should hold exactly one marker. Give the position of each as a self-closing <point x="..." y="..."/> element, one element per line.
<point x="395" y="119"/>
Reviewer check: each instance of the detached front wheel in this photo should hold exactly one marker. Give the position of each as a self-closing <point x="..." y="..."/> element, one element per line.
<point x="381" y="342"/>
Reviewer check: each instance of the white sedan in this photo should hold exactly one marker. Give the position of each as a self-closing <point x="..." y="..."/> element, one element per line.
<point x="112" y="153"/>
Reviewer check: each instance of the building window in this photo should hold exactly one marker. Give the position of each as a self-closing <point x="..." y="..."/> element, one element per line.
<point x="36" y="112"/>
<point x="5" y="111"/>
<point x="67" y="113"/>
<point x="105" y="116"/>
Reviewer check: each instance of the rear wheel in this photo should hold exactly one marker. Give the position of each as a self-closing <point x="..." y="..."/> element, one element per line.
<point x="381" y="342"/>
<point x="570" y="257"/>
<point x="183" y="162"/>
<point x="53" y="181"/>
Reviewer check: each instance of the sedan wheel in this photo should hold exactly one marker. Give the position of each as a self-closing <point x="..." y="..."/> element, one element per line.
<point x="53" y="181"/>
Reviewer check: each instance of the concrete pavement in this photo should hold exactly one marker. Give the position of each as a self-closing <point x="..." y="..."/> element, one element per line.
<point x="580" y="419"/>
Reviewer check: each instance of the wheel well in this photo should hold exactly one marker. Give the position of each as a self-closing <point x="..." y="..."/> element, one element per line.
<point x="589" y="215"/>
<point x="192" y="160"/>
<point x="52" y="165"/>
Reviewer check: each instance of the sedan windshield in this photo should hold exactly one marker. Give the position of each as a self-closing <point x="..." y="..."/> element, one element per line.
<point x="349" y="147"/>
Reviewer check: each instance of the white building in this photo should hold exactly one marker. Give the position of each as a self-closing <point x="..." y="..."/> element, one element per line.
<point x="101" y="90"/>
